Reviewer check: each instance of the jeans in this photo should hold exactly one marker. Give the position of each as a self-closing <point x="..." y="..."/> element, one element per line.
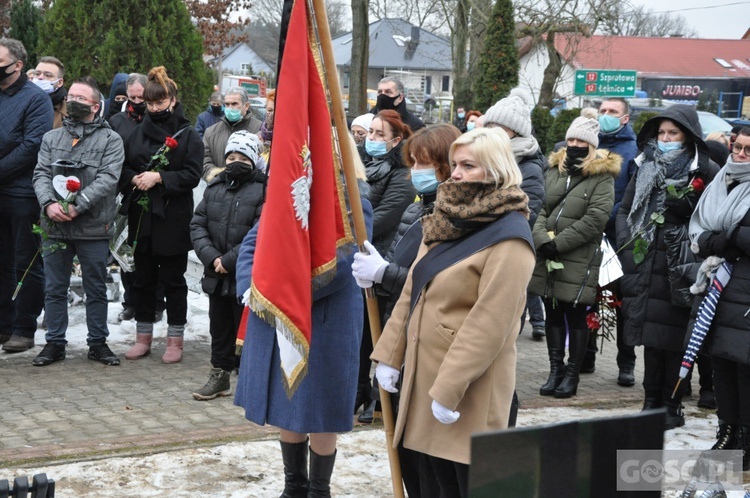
<point x="17" y="249"/>
<point x="58" y="262"/>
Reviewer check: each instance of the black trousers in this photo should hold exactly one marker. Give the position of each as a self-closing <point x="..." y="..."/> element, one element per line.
<point x="661" y="372"/>
<point x="224" y="314"/>
<point x="732" y="391"/>
<point x="452" y="477"/>
<point x="151" y="270"/>
<point x="128" y="300"/>
<point x="561" y="314"/>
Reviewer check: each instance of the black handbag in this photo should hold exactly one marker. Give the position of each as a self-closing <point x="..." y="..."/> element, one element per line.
<point x="682" y="265"/>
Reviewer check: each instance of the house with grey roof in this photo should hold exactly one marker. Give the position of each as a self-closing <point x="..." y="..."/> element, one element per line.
<point x="243" y="60"/>
<point x="422" y="60"/>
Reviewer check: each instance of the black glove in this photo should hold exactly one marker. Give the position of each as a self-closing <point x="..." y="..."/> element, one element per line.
<point x="680" y="208"/>
<point x="548" y="250"/>
<point x="731" y="253"/>
<point x="718" y="243"/>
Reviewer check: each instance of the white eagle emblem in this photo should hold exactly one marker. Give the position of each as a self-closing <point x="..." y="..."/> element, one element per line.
<point x="301" y="190"/>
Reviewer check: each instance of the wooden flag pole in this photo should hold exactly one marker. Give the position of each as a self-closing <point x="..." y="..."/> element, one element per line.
<point x="332" y="80"/>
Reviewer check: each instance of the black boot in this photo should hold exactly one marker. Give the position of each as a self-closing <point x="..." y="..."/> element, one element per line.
<point x="579" y="339"/>
<point x="743" y="443"/>
<point x="653" y="400"/>
<point x="675" y="417"/>
<point x="589" y="359"/>
<point x="295" y="470"/>
<point x="726" y="436"/>
<point x="321" y="468"/>
<point x="556" y="349"/>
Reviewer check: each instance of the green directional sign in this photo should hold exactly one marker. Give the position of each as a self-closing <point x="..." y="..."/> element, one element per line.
<point x="605" y="83"/>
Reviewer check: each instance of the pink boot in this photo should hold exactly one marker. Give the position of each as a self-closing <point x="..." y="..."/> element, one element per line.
<point x="173" y="354"/>
<point x="141" y="348"/>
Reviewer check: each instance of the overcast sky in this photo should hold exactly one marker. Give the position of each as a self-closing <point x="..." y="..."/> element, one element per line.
<point x="728" y="19"/>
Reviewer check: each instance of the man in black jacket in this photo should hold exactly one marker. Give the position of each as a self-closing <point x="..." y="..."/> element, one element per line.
<point x="391" y="96"/>
<point x="26" y="116"/>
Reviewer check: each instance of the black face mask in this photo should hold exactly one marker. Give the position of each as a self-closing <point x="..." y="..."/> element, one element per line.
<point x="3" y="73"/>
<point x="78" y="111"/>
<point x="238" y="170"/>
<point x="160" y="116"/>
<point x="114" y="108"/>
<point x="138" y="109"/>
<point x="385" y="102"/>
<point x="217" y="109"/>
<point x="575" y="156"/>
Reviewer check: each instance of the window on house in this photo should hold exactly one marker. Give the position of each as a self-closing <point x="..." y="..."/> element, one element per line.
<point x="723" y="63"/>
<point x="446" y="84"/>
<point x="247" y="68"/>
<point x="428" y="85"/>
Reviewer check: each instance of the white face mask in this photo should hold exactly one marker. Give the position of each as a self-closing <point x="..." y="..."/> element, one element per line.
<point x="46" y="85"/>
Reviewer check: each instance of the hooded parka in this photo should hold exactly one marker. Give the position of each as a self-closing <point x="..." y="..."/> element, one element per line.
<point x="575" y="222"/>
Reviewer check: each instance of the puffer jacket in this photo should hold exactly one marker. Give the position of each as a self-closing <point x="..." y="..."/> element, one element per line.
<point x="391" y="192"/>
<point x="650" y="317"/>
<point x="222" y="219"/>
<point x="95" y="161"/>
<point x="26" y="116"/>
<point x="575" y="222"/>
<point x="532" y="169"/>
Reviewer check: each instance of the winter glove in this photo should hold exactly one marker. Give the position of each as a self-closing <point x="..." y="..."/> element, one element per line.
<point x="548" y="250"/>
<point x="717" y="243"/>
<point x="443" y="414"/>
<point x="680" y="209"/>
<point x="387" y="377"/>
<point x="369" y="266"/>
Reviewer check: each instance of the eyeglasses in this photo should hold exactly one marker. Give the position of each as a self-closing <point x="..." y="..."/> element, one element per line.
<point x="78" y="98"/>
<point x="738" y="149"/>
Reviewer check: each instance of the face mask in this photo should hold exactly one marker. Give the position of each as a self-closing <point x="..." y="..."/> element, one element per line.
<point x="376" y="149"/>
<point x="577" y="153"/>
<point x="232" y="115"/>
<point x="3" y="73"/>
<point x="669" y="146"/>
<point x="461" y="115"/>
<point x="160" y="116"/>
<point x="137" y="109"/>
<point x="47" y="86"/>
<point x="235" y="169"/>
<point x="115" y="108"/>
<point x="609" y="124"/>
<point x="424" y="180"/>
<point x="77" y="110"/>
<point x="386" y="102"/>
<point x="470" y="126"/>
<point x="216" y="109"/>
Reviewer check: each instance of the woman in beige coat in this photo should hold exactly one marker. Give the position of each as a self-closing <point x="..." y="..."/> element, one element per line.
<point x="455" y="324"/>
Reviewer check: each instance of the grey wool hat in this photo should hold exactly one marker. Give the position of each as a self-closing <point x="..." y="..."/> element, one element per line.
<point x="585" y="127"/>
<point x="247" y="144"/>
<point x="511" y="112"/>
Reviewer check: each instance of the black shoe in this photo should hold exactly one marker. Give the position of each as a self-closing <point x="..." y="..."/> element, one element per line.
<point x="4" y="338"/>
<point x="128" y="313"/>
<point x="589" y="363"/>
<point x="626" y="377"/>
<point x="100" y="352"/>
<point x="707" y="400"/>
<point x="537" y="333"/>
<point x="368" y="415"/>
<point x="50" y="353"/>
<point x="675" y="418"/>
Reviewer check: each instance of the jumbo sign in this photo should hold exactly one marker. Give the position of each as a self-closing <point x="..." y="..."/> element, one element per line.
<point x="681" y="91"/>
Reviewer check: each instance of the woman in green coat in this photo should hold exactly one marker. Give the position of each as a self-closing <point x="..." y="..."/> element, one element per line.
<point x="567" y="234"/>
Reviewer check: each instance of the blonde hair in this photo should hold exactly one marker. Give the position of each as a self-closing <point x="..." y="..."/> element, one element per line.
<point x="718" y="137"/>
<point x="492" y="150"/>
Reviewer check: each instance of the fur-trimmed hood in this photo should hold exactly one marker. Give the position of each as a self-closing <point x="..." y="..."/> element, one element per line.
<point x="603" y="162"/>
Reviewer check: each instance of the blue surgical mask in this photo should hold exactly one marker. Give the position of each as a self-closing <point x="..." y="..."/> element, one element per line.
<point x="232" y="115"/>
<point x="470" y="126"/>
<point x="424" y="180"/>
<point x="461" y="115"/>
<point x="669" y="146"/>
<point x="375" y="149"/>
<point x="46" y="85"/>
<point x="609" y="124"/>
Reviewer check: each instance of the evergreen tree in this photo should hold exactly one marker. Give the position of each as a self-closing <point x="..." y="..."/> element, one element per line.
<point x="25" y="18"/>
<point x="498" y="62"/>
<point x="560" y="127"/>
<point x="541" y="121"/>
<point x="117" y="36"/>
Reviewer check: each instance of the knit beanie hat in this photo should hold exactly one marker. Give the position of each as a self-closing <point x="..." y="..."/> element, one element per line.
<point x="364" y="121"/>
<point x="511" y="112"/>
<point x="248" y="144"/>
<point x="585" y="127"/>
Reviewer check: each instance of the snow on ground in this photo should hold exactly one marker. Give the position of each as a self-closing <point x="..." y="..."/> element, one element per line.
<point x="254" y="469"/>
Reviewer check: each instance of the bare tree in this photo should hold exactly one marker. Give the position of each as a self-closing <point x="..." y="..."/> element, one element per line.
<point x="216" y="27"/>
<point x="360" y="58"/>
<point x="640" y="21"/>
<point x="423" y="13"/>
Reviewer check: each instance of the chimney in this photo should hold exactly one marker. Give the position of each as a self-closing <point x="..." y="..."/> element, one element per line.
<point x="411" y="45"/>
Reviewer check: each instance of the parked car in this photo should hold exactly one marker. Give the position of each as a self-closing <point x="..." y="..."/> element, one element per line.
<point x="258" y="107"/>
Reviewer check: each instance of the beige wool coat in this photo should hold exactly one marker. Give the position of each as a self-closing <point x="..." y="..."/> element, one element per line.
<point x="459" y="348"/>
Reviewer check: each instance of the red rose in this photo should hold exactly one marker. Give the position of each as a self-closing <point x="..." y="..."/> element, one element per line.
<point x="73" y="186"/>
<point x="698" y="184"/>
<point x="592" y="321"/>
<point x="170" y="142"/>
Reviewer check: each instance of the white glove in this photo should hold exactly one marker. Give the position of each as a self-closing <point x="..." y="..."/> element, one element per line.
<point x="363" y="284"/>
<point x="443" y="414"/>
<point x="387" y="377"/>
<point x="369" y="266"/>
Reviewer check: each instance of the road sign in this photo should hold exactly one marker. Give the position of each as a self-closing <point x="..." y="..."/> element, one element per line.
<point x="605" y="83"/>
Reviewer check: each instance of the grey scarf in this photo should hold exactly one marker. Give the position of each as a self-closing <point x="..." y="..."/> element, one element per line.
<point x="718" y="209"/>
<point x="523" y="147"/>
<point x="657" y="171"/>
